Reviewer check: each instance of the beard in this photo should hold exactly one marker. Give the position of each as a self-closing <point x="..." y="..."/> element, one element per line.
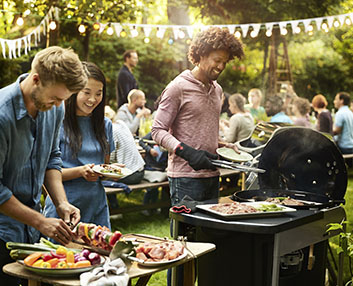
<point x="38" y="103"/>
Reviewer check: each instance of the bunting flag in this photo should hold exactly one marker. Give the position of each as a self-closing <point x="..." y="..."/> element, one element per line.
<point x="12" y="48"/>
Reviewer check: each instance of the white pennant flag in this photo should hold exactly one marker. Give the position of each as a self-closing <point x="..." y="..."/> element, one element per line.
<point x="160" y="32"/>
<point x="175" y="32"/>
<point x="306" y="24"/>
<point x="29" y="41"/>
<point x="147" y="30"/>
<point x="283" y="27"/>
<point x="38" y="31"/>
<point x="19" y="44"/>
<point x="56" y="14"/>
<point x="269" y="26"/>
<point x="256" y="30"/>
<point x="190" y="30"/>
<point x="12" y="49"/>
<point x="118" y="28"/>
<point x="341" y="18"/>
<point x="231" y="28"/>
<point x="330" y="21"/>
<point x="101" y="28"/>
<point x="26" y="44"/>
<point x="3" y="47"/>
<point x="244" y="29"/>
<point x="351" y="17"/>
<point x="318" y="23"/>
<point x="294" y="25"/>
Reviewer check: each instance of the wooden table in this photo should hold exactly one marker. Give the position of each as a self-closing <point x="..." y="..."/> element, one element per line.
<point x="195" y="250"/>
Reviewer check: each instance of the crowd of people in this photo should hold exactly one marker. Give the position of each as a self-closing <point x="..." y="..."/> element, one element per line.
<point x="55" y="125"/>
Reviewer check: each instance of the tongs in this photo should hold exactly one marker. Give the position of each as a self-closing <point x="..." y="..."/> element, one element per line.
<point x="236" y="166"/>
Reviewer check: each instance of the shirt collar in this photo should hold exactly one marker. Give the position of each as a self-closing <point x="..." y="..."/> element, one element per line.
<point x="19" y="104"/>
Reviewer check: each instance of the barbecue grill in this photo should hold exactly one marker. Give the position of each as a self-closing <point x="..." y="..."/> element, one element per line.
<point x="276" y="250"/>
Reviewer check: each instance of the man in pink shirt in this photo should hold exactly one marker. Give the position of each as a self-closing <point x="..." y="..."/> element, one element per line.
<point x="187" y="119"/>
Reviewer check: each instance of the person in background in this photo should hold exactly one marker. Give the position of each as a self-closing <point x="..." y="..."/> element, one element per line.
<point x="254" y="105"/>
<point x="31" y="112"/>
<point x="86" y="140"/>
<point x="301" y="109"/>
<point x="343" y="125"/>
<point x="274" y="109"/>
<point x="127" y="154"/>
<point x="134" y="110"/>
<point x="241" y="124"/>
<point x="324" y="118"/>
<point x="126" y="80"/>
<point x="287" y="94"/>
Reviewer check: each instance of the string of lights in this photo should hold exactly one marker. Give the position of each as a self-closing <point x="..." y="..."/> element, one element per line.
<point x="178" y="31"/>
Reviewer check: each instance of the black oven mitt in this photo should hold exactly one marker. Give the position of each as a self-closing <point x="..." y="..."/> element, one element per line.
<point x="197" y="159"/>
<point x="186" y="205"/>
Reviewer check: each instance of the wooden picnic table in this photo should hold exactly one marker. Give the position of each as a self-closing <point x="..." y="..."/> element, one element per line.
<point x="194" y="249"/>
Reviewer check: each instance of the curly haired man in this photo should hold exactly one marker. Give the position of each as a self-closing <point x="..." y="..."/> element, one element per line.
<point x="187" y="120"/>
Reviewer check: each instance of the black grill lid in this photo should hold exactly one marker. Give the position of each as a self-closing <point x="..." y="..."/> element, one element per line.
<point x="303" y="159"/>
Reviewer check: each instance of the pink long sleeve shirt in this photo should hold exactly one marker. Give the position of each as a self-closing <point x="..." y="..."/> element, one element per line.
<point x="188" y="113"/>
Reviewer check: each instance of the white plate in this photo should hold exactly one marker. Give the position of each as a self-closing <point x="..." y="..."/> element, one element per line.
<point x="230" y="154"/>
<point x="100" y="170"/>
<point x="259" y="214"/>
<point x="60" y="272"/>
<point x="159" y="263"/>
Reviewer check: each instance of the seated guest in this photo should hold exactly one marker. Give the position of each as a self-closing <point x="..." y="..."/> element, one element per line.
<point x="125" y="153"/>
<point x="343" y="126"/>
<point x="134" y="110"/>
<point x="324" y="118"/>
<point x="301" y="109"/>
<point x="254" y="105"/>
<point x="274" y="109"/>
<point x="241" y="124"/>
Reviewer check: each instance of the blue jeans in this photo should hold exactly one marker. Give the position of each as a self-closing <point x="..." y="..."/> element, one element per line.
<point x="199" y="189"/>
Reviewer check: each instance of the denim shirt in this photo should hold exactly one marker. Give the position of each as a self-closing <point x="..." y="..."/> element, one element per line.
<point x="28" y="147"/>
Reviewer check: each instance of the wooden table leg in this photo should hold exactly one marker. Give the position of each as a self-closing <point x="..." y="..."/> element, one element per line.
<point x="33" y="283"/>
<point x="189" y="273"/>
<point x="143" y="280"/>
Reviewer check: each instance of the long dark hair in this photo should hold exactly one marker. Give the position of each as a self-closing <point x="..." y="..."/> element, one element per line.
<point x="72" y="131"/>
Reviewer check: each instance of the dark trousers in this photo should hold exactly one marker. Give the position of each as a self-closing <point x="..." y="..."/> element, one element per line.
<point x="6" y="259"/>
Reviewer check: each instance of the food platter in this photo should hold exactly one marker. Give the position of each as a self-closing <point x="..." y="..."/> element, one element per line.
<point x="259" y="214"/>
<point x="160" y="263"/>
<point x="230" y="154"/>
<point x="60" y="272"/>
<point x="112" y="171"/>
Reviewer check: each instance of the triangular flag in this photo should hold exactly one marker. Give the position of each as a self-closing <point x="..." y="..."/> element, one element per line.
<point x="19" y="47"/>
<point x="190" y="30"/>
<point x="341" y="18"/>
<point x="29" y="41"/>
<point x="175" y="32"/>
<point x="330" y="20"/>
<point x="294" y="25"/>
<point x="231" y="28"/>
<point x="118" y="28"/>
<point x="244" y="29"/>
<point x="101" y="28"/>
<point x="25" y="39"/>
<point x="306" y="24"/>
<point x="283" y="27"/>
<point x="351" y="17"/>
<point x="256" y="29"/>
<point x="3" y="47"/>
<point x="318" y="23"/>
<point x="147" y="30"/>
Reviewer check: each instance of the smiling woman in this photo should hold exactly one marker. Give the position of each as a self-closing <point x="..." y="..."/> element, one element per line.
<point x="86" y="140"/>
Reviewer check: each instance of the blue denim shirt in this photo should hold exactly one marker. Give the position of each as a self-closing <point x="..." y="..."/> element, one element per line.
<point x="28" y="147"/>
<point x="344" y="120"/>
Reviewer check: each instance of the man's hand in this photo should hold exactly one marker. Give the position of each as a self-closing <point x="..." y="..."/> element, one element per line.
<point x="145" y="112"/>
<point x="69" y="213"/>
<point x="154" y="152"/>
<point x="229" y="145"/>
<point x="56" y="229"/>
<point x="198" y="159"/>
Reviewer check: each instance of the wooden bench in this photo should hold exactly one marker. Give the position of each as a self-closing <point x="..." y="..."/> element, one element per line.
<point x="164" y="202"/>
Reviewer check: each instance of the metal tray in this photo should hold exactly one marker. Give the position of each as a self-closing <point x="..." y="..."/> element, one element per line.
<point x="259" y="214"/>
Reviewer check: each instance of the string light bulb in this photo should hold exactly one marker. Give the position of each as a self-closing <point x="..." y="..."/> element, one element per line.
<point x="268" y="33"/>
<point x="110" y="30"/>
<point x="181" y="34"/>
<point x="52" y="25"/>
<point x="336" y="24"/>
<point x="123" y="34"/>
<point x="146" y="40"/>
<point x="297" y="30"/>
<point x="348" y="21"/>
<point x="310" y="28"/>
<point x="170" y="41"/>
<point x="324" y="26"/>
<point x="96" y="26"/>
<point x="284" y="31"/>
<point x="134" y="32"/>
<point x="159" y="33"/>
<point x="237" y="34"/>
<point x="81" y="28"/>
<point x="253" y="34"/>
<point x="27" y="12"/>
<point x="20" y="21"/>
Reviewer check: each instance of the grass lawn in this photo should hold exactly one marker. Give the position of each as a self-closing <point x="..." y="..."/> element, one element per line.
<point x="158" y="225"/>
